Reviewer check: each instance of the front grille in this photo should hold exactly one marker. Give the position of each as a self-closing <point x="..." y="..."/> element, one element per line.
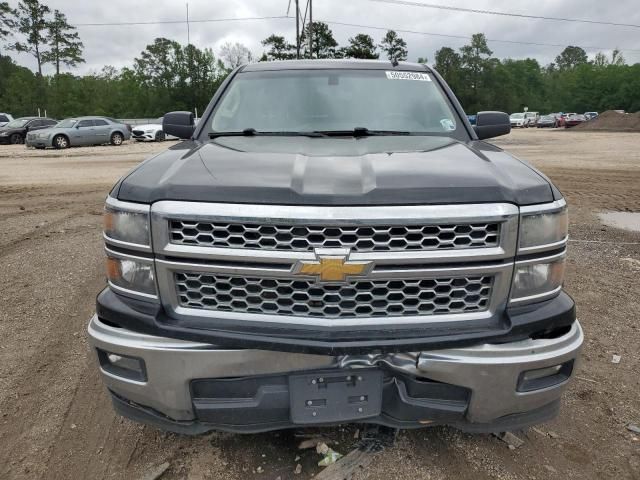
<point x="138" y="133"/>
<point x="376" y="298"/>
<point x="357" y="238"/>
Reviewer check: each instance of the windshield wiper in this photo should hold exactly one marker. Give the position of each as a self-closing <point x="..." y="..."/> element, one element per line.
<point x="252" y="132"/>
<point x="363" y="132"/>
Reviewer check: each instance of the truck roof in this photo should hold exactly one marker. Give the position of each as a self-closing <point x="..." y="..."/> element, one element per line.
<point x="343" y="64"/>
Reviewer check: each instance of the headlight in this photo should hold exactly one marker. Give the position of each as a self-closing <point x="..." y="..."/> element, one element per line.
<point x="543" y="233"/>
<point x="130" y="273"/>
<point x="538" y="280"/>
<point x="127" y="222"/>
<point x="542" y="229"/>
<point x="43" y="135"/>
<point x="4" y="134"/>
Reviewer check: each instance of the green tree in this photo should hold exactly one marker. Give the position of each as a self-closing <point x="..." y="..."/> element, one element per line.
<point x="64" y="41"/>
<point x="31" y="22"/>
<point x="324" y="45"/>
<point x="423" y="60"/>
<point x="158" y="63"/>
<point x="6" y="20"/>
<point x="475" y="62"/>
<point x="447" y="63"/>
<point x="394" y="46"/>
<point x="361" y="46"/>
<point x="279" y="48"/>
<point x="571" y="57"/>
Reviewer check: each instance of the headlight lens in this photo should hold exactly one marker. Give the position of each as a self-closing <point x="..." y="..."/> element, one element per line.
<point x="536" y="280"/>
<point x="543" y="228"/>
<point x="131" y="274"/>
<point x="4" y="134"/>
<point x="124" y="226"/>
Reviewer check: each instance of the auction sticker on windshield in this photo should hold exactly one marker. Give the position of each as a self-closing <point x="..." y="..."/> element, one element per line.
<point x="421" y="77"/>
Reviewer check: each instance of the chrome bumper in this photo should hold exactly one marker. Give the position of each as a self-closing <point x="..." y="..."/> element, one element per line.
<point x="491" y="372"/>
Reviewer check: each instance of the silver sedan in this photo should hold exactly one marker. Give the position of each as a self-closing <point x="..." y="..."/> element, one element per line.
<point x="80" y="131"/>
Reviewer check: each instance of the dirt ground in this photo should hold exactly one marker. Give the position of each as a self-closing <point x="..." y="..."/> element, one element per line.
<point x="56" y="421"/>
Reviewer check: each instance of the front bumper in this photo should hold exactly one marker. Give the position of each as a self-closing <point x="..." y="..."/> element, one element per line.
<point x="145" y="137"/>
<point x="479" y="388"/>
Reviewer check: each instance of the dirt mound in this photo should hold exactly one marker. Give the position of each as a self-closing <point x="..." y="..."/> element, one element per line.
<point x="612" y="121"/>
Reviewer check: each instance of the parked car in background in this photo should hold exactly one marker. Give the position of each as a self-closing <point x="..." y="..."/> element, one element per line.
<point x="574" y="120"/>
<point x="16" y="130"/>
<point x="79" y="131"/>
<point x="4" y="119"/>
<point x="151" y="132"/>
<point x="517" y="120"/>
<point x="531" y="118"/>
<point x="591" y="115"/>
<point x="472" y="119"/>
<point x="547" y="121"/>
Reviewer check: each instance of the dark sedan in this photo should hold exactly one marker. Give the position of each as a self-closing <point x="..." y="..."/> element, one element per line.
<point x="547" y="121"/>
<point x="16" y="130"/>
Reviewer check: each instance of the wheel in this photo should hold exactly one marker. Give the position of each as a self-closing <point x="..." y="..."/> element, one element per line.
<point x="16" y="139"/>
<point x="160" y="136"/>
<point x="116" y="139"/>
<point x="60" y="141"/>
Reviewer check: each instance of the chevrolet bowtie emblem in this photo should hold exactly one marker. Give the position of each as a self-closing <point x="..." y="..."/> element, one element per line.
<point x="332" y="267"/>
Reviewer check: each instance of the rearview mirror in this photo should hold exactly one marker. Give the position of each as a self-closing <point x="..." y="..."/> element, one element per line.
<point x="179" y="124"/>
<point x="492" y="124"/>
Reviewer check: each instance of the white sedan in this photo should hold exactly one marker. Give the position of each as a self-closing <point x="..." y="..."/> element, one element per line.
<point x="151" y="132"/>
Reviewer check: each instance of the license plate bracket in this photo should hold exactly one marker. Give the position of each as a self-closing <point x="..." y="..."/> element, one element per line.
<point x="333" y="397"/>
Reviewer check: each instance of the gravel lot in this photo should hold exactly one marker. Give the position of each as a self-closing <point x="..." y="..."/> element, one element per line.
<point x="56" y="420"/>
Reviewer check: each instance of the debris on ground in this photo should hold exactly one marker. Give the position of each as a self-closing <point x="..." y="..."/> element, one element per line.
<point x="616" y="359"/>
<point x="373" y="440"/>
<point x="330" y="456"/>
<point x="633" y="428"/>
<point x="553" y="434"/>
<point x="298" y="469"/>
<point x="312" y="442"/>
<point x="156" y="472"/>
<point x="510" y="439"/>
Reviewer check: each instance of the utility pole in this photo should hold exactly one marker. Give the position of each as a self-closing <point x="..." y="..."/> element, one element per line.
<point x="310" y="28"/>
<point x="188" y="29"/>
<point x="298" y="30"/>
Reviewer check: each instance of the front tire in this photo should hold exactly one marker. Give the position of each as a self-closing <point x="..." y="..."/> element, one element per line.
<point x="116" y="139"/>
<point x="60" y="142"/>
<point x="16" y="139"/>
<point x="160" y="136"/>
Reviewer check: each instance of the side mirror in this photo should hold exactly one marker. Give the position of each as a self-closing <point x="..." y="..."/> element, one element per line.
<point x="179" y="124"/>
<point x="492" y="124"/>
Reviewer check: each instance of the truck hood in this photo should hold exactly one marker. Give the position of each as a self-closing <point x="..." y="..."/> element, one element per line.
<point x="335" y="171"/>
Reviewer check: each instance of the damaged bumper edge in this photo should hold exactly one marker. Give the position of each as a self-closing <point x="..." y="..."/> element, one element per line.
<point x="487" y="387"/>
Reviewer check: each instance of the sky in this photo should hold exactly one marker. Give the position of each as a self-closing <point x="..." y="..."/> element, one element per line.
<point x="119" y="45"/>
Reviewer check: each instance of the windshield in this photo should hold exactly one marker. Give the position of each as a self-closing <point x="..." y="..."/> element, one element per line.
<point x="334" y="100"/>
<point x="17" y="123"/>
<point x="517" y="115"/>
<point x="68" y="123"/>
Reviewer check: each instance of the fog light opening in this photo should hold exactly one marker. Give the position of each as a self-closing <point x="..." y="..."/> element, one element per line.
<point x="546" y="377"/>
<point x="132" y="368"/>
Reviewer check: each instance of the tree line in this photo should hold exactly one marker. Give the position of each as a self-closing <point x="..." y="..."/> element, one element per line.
<point x="168" y="75"/>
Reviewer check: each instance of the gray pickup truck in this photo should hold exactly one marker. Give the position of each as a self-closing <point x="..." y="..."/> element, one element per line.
<point x="334" y="242"/>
